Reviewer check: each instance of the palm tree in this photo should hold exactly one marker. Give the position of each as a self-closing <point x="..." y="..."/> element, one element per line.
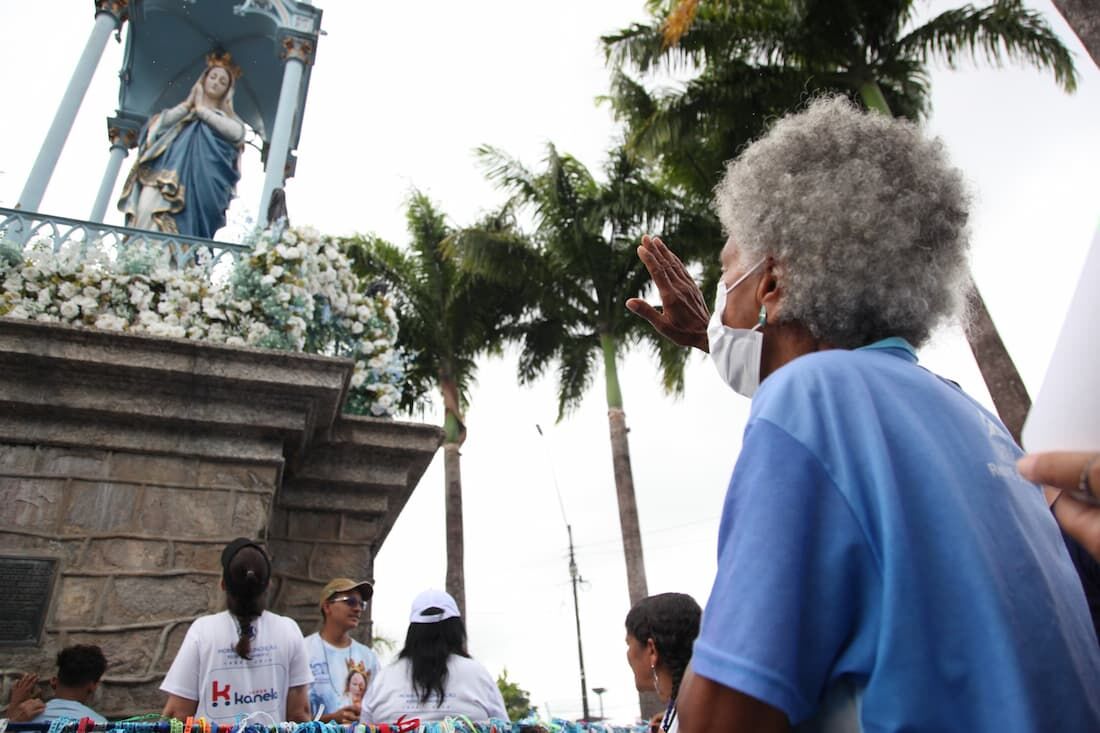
<point x="582" y="263"/>
<point x="447" y="317"/>
<point x="759" y="59"/>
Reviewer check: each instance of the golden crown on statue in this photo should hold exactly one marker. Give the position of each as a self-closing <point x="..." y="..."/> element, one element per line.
<point x="357" y="666"/>
<point x="223" y="59"/>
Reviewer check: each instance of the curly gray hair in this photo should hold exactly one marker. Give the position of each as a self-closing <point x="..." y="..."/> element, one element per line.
<point x="865" y="218"/>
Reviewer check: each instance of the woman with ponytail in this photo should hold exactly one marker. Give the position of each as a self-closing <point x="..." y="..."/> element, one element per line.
<point x="660" y="632"/>
<point x="245" y="659"/>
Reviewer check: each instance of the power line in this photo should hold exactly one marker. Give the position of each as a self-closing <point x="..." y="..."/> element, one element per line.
<point x="553" y="477"/>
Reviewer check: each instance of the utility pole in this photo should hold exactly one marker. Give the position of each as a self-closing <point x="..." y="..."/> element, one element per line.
<point x="577" y="612"/>
<point x="575" y="576"/>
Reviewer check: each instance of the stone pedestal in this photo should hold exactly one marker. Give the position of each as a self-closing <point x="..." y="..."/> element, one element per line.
<point x="132" y="461"/>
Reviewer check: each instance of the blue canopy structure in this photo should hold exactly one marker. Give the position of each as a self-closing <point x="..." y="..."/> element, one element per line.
<point x="272" y="42"/>
<point x="169" y="40"/>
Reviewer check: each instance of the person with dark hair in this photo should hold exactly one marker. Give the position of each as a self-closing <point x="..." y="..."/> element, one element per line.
<point x="434" y="676"/>
<point x="342" y="667"/>
<point x="79" y="669"/>
<point x="660" y="631"/>
<point x="243" y="660"/>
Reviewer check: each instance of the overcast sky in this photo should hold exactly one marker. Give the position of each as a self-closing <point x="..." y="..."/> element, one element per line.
<point x="401" y="93"/>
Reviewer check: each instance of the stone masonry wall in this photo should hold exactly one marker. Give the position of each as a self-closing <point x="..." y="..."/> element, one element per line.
<point x="131" y="461"/>
<point x="131" y="575"/>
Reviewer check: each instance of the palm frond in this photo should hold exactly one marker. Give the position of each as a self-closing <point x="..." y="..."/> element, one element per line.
<point x="1005" y="29"/>
<point x="671" y="359"/>
<point x="540" y="338"/>
<point x="507" y="172"/>
<point x="576" y="371"/>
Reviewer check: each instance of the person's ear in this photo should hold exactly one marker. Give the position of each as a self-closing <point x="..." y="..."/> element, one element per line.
<point x="54" y="682"/>
<point x="767" y="288"/>
<point x="651" y="652"/>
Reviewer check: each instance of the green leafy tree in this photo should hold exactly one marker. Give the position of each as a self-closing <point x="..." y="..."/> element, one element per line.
<point x="517" y="701"/>
<point x="447" y="318"/>
<point x="756" y="59"/>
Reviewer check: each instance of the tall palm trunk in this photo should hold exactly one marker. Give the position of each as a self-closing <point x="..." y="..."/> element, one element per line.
<point x="624" y="490"/>
<point x="1005" y="386"/>
<point x="454" y="434"/>
<point x="1002" y="379"/>
<point x="624" y="477"/>
<point x="1084" y="18"/>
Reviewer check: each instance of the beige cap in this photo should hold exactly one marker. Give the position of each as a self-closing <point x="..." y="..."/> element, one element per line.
<point x="343" y="585"/>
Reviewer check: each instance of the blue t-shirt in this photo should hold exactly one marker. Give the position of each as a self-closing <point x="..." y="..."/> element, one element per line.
<point x="69" y="709"/>
<point x="883" y="567"/>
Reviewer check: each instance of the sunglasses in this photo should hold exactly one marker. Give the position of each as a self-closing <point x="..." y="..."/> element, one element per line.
<point x="350" y="600"/>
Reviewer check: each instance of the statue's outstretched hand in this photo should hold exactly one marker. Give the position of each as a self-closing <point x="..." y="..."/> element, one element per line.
<point x="683" y="315"/>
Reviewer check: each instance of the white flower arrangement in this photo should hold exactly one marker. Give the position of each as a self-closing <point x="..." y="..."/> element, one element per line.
<point x="296" y="291"/>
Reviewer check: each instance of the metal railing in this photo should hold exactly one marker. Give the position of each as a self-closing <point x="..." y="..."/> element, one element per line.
<point x="19" y="227"/>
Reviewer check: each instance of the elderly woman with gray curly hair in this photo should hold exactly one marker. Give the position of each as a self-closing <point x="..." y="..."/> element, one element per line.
<point x="882" y="566"/>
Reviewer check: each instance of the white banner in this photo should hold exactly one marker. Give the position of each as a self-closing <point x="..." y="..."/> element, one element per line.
<point x="1066" y="414"/>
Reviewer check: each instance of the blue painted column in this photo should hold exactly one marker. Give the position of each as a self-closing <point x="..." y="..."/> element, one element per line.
<point x="110" y="176"/>
<point x="109" y="17"/>
<point x="297" y="52"/>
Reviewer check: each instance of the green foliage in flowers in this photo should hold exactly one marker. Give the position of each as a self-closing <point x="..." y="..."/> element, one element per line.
<point x="10" y="255"/>
<point x="295" y="291"/>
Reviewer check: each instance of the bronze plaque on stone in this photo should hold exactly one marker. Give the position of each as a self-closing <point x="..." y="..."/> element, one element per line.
<point x="25" y="587"/>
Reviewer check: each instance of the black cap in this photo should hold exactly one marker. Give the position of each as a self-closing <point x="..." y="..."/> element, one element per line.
<point x="236" y="546"/>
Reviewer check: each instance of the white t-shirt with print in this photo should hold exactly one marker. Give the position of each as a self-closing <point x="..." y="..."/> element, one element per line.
<point x="330" y="666"/>
<point x="469" y="690"/>
<point x="207" y="669"/>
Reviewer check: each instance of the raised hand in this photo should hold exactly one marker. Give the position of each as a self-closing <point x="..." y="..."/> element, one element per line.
<point x="23" y="705"/>
<point x="683" y="315"/>
<point x="23" y="689"/>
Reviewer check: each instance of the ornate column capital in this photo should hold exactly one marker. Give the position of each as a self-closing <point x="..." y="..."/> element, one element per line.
<point x="123" y="130"/>
<point x="297" y="47"/>
<point x="121" y="138"/>
<point x="118" y="9"/>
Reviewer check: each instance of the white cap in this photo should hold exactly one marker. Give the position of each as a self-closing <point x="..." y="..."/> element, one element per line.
<point x="442" y="604"/>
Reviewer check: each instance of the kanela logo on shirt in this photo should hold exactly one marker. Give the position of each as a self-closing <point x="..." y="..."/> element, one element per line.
<point x="228" y="697"/>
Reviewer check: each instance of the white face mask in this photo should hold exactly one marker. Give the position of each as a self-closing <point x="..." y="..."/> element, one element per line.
<point x="735" y="351"/>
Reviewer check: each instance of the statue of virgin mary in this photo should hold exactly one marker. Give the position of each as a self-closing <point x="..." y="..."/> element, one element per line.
<point x="188" y="159"/>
